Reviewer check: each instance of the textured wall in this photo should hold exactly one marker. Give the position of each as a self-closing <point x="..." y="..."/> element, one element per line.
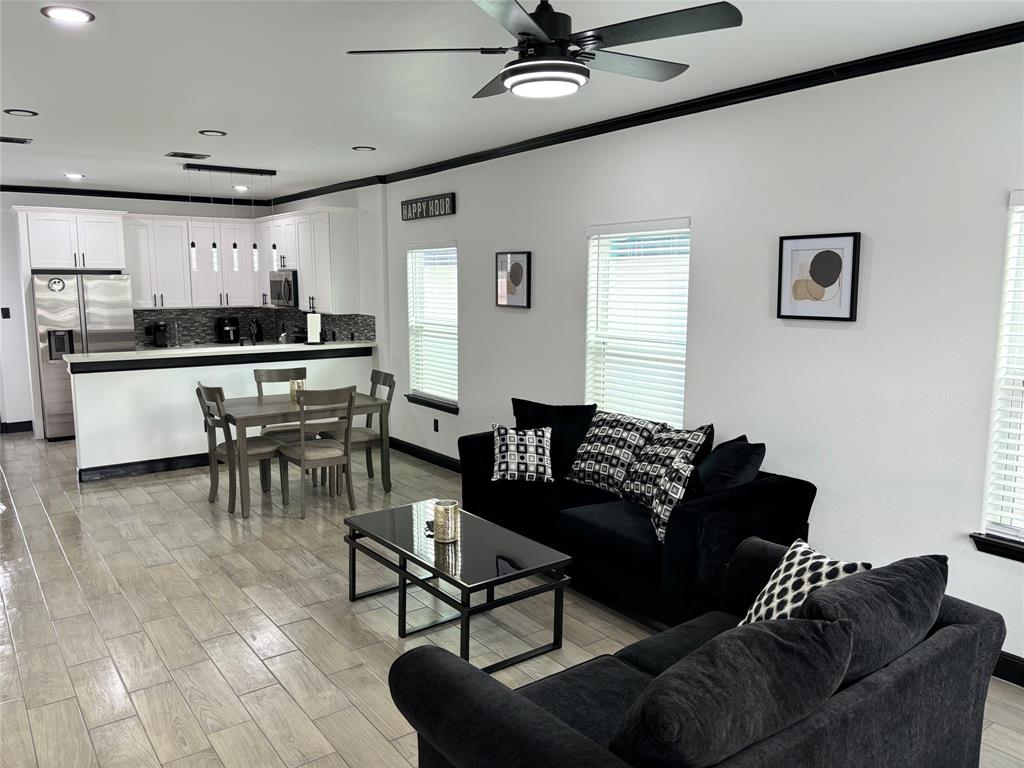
<point x="196" y="325"/>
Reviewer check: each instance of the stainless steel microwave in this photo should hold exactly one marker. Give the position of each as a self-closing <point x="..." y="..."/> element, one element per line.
<point x="284" y="288"/>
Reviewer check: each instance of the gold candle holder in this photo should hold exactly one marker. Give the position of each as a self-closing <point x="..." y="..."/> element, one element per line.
<point x="294" y="387"/>
<point x="448" y="557"/>
<point x="447" y="520"/>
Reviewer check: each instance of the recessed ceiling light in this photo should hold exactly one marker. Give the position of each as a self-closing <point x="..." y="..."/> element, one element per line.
<point x="364" y="148"/>
<point x="240" y="188"/>
<point x="74" y="176"/>
<point x="68" y="14"/>
<point x="211" y="132"/>
<point x="21" y="112"/>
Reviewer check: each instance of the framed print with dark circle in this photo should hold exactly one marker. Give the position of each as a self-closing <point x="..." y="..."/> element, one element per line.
<point x="512" y="277"/>
<point x="818" y="276"/>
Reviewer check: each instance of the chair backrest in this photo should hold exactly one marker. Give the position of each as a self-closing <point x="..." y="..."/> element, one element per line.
<point x="380" y="379"/>
<point x="211" y="402"/>
<point x="264" y="375"/>
<point x="318" y="405"/>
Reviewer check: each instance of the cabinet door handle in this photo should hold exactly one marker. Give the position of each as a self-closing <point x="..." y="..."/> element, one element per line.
<point x="83" y="259"/>
<point x="74" y="257"/>
<point x="220" y="299"/>
<point x="154" y="299"/>
<point x="161" y="299"/>
<point x="227" y="299"/>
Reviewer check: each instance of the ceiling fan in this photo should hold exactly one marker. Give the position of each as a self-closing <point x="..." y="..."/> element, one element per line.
<point x="555" y="61"/>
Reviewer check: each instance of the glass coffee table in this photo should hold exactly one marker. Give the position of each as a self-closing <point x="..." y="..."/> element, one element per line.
<point x="484" y="556"/>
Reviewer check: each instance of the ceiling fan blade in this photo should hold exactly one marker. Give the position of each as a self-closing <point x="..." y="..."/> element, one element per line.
<point x="633" y="66"/>
<point x="493" y="88"/>
<point x="513" y="17"/>
<point x="432" y="50"/>
<point x="703" y="18"/>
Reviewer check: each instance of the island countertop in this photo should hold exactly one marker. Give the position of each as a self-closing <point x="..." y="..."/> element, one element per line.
<point x="212" y="354"/>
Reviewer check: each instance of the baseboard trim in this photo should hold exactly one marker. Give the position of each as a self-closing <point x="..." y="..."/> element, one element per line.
<point x="1010" y="668"/>
<point x="131" y="468"/>
<point x="433" y="457"/>
<point x="10" y="427"/>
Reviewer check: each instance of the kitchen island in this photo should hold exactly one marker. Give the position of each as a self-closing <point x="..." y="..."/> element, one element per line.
<point x="137" y="411"/>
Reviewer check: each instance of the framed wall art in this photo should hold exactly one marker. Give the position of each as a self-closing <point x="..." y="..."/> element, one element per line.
<point x="512" y="279"/>
<point x="818" y="276"/>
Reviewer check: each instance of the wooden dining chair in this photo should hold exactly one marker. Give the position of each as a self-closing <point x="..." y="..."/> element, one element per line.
<point x="310" y="453"/>
<point x="211" y="401"/>
<point x="367" y="437"/>
<point x="286" y="433"/>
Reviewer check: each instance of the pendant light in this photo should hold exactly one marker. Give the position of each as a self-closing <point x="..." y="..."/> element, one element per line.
<point x="252" y="210"/>
<point x="234" y="244"/>
<point x="192" y="240"/>
<point x="273" y="246"/>
<point x="216" y="261"/>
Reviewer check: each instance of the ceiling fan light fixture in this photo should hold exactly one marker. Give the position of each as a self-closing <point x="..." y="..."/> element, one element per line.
<point x="544" y="78"/>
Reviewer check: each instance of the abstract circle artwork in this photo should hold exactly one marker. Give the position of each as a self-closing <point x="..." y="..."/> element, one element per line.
<point x="818" y="276"/>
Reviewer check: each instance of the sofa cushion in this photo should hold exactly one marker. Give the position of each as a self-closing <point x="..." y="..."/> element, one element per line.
<point x="891" y="609"/>
<point x="569" y="425"/>
<point x="522" y="454"/>
<point x="731" y="463"/>
<point x="612" y="443"/>
<point x="657" y="653"/>
<point x="657" y="458"/>
<point x="615" y="532"/>
<point x="738" y="688"/>
<point x="801" y="571"/>
<point x="532" y="508"/>
<point x="591" y="697"/>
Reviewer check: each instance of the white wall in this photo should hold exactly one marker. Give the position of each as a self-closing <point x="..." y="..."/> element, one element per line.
<point x="15" y="381"/>
<point x="888" y="416"/>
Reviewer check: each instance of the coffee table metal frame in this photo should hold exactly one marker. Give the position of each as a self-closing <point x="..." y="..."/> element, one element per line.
<point x="555" y="572"/>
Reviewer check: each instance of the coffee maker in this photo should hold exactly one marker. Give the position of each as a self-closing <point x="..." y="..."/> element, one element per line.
<point x="226" y="330"/>
<point x="158" y="333"/>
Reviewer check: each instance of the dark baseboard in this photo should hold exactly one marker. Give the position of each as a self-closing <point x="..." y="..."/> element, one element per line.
<point x="10" y="427"/>
<point x="143" y="467"/>
<point x="1010" y="668"/>
<point x="433" y="457"/>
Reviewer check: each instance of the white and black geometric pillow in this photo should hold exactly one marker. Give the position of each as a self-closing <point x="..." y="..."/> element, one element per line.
<point x="612" y="443"/>
<point x="522" y="454"/>
<point x="644" y="476"/>
<point x="670" y="491"/>
<point x="801" y="572"/>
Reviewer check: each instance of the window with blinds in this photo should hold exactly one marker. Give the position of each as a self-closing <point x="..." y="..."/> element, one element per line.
<point x="636" y="318"/>
<point x="434" y="323"/>
<point x="1005" y="501"/>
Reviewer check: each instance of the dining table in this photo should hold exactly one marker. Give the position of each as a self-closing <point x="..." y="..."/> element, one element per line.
<point x="257" y="411"/>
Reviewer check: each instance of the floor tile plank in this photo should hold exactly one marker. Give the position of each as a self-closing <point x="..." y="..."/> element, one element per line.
<point x="245" y="746"/>
<point x="60" y="737"/>
<point x="124" y="744"/>
<point x="15" y="736"/>
<point x="209" y="696"/>
<point x="287" y="727"/>
<point x="101" y="694"/>
<point x="137" y="661"/>
<point x="171" y="728"/>
<point x="242" y="668"/>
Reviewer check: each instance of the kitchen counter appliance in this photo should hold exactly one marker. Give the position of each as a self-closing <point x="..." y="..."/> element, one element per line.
<point x="226" y="330"/>
<point x="284" y="288"/>
<point x="76" y="313"/>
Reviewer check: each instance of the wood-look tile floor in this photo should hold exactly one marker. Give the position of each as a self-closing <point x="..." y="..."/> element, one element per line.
<point x="144" y="626"/>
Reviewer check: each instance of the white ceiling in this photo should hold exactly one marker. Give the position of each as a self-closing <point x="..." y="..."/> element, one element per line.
<point x="114" y="96"/>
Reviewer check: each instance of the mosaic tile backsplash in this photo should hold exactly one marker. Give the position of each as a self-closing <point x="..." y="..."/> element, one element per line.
<point x="196" y="325"/>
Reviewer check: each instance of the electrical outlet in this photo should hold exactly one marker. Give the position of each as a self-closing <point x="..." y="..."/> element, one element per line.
<point x="435" y="426"/>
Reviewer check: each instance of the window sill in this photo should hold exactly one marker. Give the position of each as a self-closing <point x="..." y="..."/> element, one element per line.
<point x="999" y="546"/>
<point x="437" y="405"/>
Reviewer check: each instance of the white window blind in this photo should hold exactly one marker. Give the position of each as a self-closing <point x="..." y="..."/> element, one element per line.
<point x="1005" y="502"/>
<point x="636" y="318"/>
<point x="434" y="323"/>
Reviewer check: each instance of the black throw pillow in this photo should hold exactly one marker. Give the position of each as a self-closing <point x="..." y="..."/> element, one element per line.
<point x="569" y="424"/>
<point x="730" y="464"/>
<point x="738" y="688"/>
<point x="891" y="609"/>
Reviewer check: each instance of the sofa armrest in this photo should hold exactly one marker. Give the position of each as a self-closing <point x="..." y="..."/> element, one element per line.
<point x="476" y="455"/>
<point x="702" y="535"/>
<point x="747" y="571"/>
<point x="472" y="720"/>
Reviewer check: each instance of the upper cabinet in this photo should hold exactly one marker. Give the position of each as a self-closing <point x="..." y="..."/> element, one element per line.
<point x="237" y="275"/>
<point x="156" y="257"/>
<point x="60" y="239"/>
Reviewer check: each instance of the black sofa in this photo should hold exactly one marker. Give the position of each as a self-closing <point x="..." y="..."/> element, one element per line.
<point x="924" y="709"/>
<point x="617" y="557"/>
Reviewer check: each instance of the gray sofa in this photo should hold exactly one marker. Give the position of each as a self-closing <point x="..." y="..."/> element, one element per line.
<point x="922" y="710"/>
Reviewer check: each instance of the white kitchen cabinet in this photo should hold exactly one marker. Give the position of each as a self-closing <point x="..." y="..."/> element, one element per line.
<point x="170" y="270"/>
<point x="304" y="264"/>
<point x="336" y="261"/>
<point x="138" y="262"/>
<point x="204" y="270"/>
<point x="100" y="241"/>
<point x="63" y="239"/>
<point x="261" y="280"/>
<point x="237" y="273"/>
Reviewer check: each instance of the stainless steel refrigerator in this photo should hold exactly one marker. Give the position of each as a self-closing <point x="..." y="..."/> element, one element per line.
<point x="76" y="313"/>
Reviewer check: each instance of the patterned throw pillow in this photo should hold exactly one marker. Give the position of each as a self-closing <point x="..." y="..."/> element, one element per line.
<point x="522" y="454"/>
<point x="612" y="443"/>
<point x="801" y="571"/>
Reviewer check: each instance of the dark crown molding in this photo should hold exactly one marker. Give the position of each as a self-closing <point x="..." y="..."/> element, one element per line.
<point x="133" y="195"/>
<point x="972" y="42"/>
